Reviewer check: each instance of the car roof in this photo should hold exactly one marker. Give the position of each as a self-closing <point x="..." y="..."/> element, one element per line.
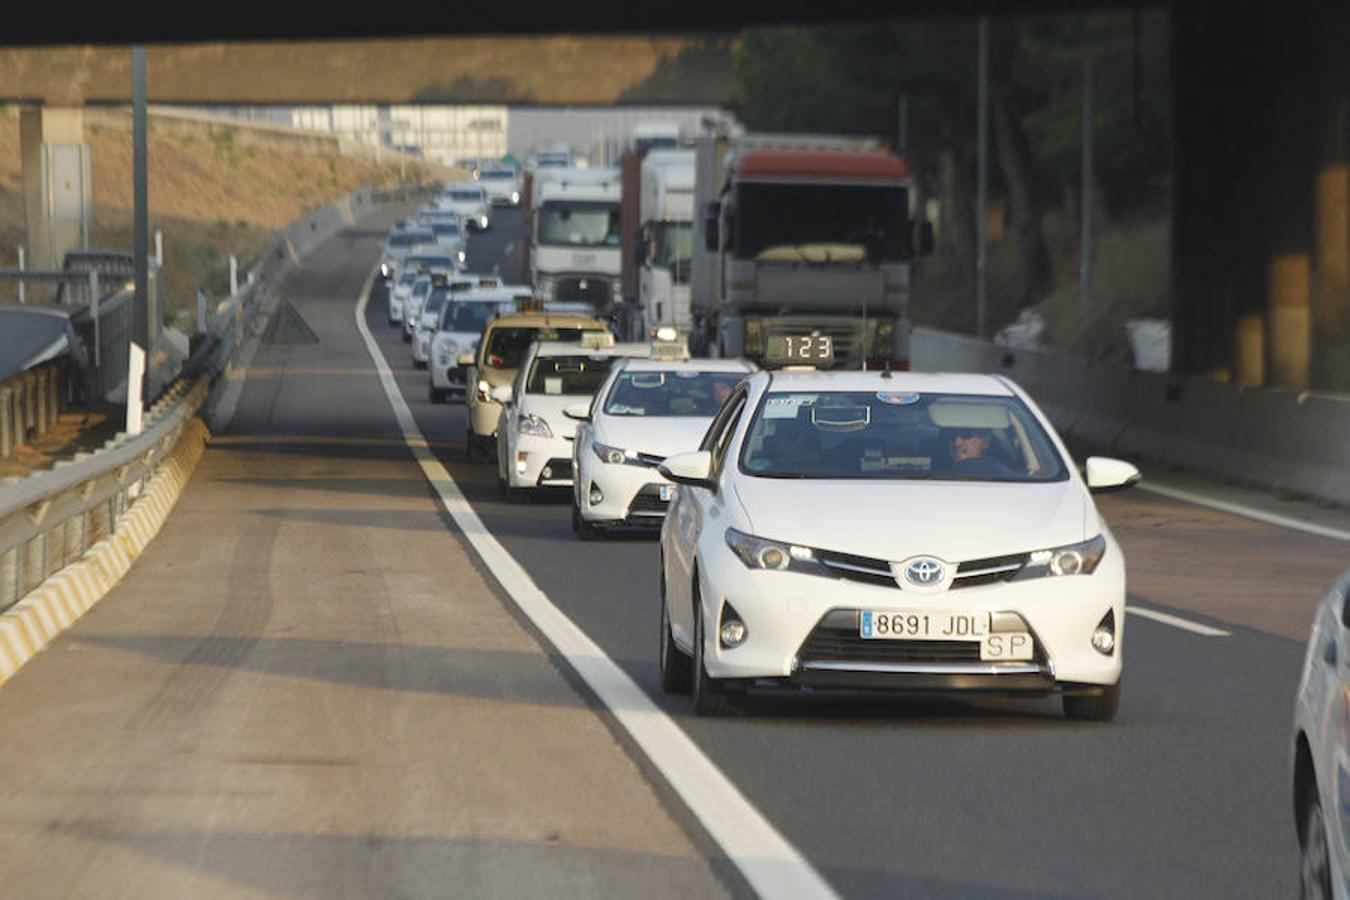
<point x="547" y="319"/>
<point x="921" y="382"/>
<point x="572" y="348"/>
<point x="696" y="365"/>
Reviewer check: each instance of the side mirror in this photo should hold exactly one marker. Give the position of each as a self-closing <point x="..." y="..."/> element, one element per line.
<point x="693" y="469"/>
<point x="501" y="393"/>
<point x="465" y="359"/>
<point x="579" y="411"/>
<point x="1106" y="475"/>
<point x="923" y="238"/>
<point x="711" y="213"/>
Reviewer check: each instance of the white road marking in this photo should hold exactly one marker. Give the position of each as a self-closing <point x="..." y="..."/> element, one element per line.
<point x="771" y="865"/>
<point x="1249" y="512"/>
<point x="1178" y="622"/>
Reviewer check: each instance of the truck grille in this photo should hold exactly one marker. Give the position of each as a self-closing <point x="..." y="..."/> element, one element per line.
<point x="595" y="292"/>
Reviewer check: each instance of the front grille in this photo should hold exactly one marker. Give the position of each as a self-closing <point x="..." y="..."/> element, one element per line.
<point x="457" y="375"/>
<point x="560" y="470"/>
<point x="596" y="291"/>
<point x="971" y="573"/>
<point x="648" y="503"/>
<point x="835" y="639"/>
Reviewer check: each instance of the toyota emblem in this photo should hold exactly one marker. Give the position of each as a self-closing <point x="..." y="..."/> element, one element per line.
<point x="924" y="572"/>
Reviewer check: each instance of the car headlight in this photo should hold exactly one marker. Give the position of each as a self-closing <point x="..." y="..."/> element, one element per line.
<point x="483" y="388"/>
<point x="462" y="256"/>
<point x="515" y="196"/>
<point x="1074" y="559"/>
<point x="761" y="553"/>
<point x="386" y="269"/>
<point x="614" y="455"/>
<point x="531" y="424"/>
<point x="482" y="221"/>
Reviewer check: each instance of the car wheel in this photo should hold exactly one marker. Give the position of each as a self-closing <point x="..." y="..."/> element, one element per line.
<point x="584" y="530"/>
<point x="710" y="697"/>
<point x="436" y="396"/>
<point x="407" y="338"/>
<point x="1094" y="708"/>
<point x="470" y="446"/>
<point x="676" y="667"/>
<point x="1314" y="868"/>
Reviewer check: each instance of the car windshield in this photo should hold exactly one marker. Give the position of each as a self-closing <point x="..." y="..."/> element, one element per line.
<point x="420" y="288"/>
<point x="497" y="175"/>
<point x="434" y="301"/>
<point x="672" y="393"/>
<point x="472" y="315"/>
<point x="570" y="375"/>
<point x="898" y="435"/>
<point x="429" y="262"/>
<point x="507" y="346"/>
<point x="408" y="238"/>
<point x="407" y="278"/>
<point x="466" y="195"/>
<point x="445" y="227"/>
<point x="579" y="223"/>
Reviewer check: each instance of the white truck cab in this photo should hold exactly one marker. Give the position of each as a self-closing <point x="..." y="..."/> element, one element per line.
<point x="574" y="236"/>
<point x="665" y="248"/>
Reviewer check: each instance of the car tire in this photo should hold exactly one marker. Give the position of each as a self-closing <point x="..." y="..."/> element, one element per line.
<point x="418" y="364"/>
<point x="677" y="669"/>
<point x="710" y="697"/>
<point x="1314" y="858"/>
<point x="470" y="446"/>
<point x="436" y="395"/>
<point x="583" y="529"/>
<point x="1094" y="707"/>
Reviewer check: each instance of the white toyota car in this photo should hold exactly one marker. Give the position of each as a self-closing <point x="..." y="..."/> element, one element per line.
<point x="463" y="319"/>
<point x="646" y="410"/>
<point x="904" y="531"/>
<point x="1320" y="751"/>
<point x="534" y="437"/>
<point x="398" y="294"/>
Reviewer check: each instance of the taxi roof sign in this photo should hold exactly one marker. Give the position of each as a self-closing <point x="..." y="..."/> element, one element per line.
<point x="528" y="303"/>
<point x="669" y="351"/>
<point x="595" y="340"/>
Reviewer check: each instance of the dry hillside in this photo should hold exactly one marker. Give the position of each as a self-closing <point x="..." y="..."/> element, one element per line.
<point x="212" y="193"/>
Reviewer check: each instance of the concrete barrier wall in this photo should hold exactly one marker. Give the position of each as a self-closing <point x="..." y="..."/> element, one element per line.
<point x="1279" y="440"/>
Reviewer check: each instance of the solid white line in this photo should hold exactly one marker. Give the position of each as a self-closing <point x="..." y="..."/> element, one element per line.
<point x="771" y="865"/>
<point x="1178" y="622"/>
<point x="1248" y="512"/>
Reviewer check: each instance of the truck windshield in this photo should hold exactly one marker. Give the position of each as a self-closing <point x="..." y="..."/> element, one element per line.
<point x="579" y="223"/>
<point x="672" y="248"/>
<point x="789" y="217"/>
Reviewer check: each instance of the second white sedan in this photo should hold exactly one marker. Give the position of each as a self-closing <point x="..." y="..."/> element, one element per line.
<point x="646" y="410"/>
<point x="895" y="531"/>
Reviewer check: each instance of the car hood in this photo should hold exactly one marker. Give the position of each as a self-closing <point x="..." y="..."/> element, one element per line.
<point x="550" y="409"/>
<point x="953" y="520"/>
<point x="657" y="435"/>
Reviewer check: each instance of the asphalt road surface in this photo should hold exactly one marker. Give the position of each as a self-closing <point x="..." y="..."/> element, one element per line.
<point x="308" y="688"/>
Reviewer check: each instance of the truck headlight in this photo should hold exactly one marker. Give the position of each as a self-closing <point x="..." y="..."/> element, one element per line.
<point x="1073" y="559"/>
<point x="533" y="425"/>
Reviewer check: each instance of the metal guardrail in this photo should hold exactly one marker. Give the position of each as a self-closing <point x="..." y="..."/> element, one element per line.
<point x="31" y="402"/>
<point x="50" y="518"/>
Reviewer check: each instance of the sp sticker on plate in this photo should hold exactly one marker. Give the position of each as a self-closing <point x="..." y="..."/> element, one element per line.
<point x="898" y="398"/>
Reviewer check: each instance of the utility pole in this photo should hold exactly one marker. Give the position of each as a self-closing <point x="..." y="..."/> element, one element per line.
<point x="140" y="330"/>
<point x="982" y="179"/>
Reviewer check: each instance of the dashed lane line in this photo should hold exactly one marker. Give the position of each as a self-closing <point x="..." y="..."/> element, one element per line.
<point x="1178" y="622"/>
<point x="771" y="865"/>
<point x="1248" y="512"/>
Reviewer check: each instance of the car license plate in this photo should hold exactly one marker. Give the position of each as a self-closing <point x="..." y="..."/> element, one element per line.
<point x="1009" y="645"/>
<point x="924" y="625"/>
<point x="667" y="491"/>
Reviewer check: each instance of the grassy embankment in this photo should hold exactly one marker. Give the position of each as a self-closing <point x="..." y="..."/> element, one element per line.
<point x="211" y="194"/>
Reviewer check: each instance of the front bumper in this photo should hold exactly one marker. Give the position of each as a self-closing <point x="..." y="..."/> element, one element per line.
<point x="421" y="346"/>
<point x="631" y="494"/>
<point x="802" y="629"/>
<point x="539" y="462"/>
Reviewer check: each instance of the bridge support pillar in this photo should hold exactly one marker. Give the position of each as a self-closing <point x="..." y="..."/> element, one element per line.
<point x="57" y="187"/>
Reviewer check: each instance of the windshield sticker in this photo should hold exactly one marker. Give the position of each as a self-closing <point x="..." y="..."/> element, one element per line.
<point x="899" y="398"/>
<point x="553" y="385"/>
<point x="786" y="407"/>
